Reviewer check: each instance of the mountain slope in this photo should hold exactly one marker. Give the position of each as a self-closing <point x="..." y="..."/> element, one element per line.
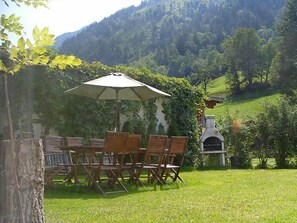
<point x="245" y="105"/>
<point x="59" y="40"/>
<point x="167" y="36"/>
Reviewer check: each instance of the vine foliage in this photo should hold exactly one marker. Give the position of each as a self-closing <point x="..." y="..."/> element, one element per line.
<point x="72" y="115"/>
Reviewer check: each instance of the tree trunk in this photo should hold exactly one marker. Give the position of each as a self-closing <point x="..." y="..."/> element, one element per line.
<point x="30" y="174"/>
<point x="266" y="75"/>
<point x="10" y="166"/>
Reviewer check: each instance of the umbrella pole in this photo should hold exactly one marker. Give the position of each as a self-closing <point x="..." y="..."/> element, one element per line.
<point x="116" y="111"/>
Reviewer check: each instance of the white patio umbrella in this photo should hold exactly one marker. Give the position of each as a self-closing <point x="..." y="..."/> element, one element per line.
<point x="117" y="86"/>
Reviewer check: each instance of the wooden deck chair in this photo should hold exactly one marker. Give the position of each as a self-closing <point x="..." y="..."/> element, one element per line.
<point x="57" y="162"/>
<point x="176" y="156"/>
<point x="97" y="142"/>
<point x="74" y="141"/>
<point x="154" y="158"/>
<point x="106" y="176"/>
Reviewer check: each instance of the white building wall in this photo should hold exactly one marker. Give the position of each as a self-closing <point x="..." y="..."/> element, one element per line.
<point x="160" y="115"/>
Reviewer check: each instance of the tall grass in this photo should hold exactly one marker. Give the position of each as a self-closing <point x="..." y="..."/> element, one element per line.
<point x="207" y="196"/>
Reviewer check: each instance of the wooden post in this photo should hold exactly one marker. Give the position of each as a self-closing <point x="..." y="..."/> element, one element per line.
<point x="30" y="173"/>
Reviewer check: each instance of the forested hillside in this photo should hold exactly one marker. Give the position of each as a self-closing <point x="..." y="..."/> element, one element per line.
<point x="171" y="36"/>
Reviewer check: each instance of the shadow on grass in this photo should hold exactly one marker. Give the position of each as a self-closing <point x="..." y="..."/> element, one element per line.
<point x="213" y="169"/>
<point x="62" y="190"/>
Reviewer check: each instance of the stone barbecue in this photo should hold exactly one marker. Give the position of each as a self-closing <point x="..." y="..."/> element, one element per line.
<point x="211" y="141"/>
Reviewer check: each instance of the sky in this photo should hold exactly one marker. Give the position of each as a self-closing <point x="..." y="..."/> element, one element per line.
<point x="65" y="15"/>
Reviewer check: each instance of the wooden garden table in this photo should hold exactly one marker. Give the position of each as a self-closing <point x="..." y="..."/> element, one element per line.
<point x="89" y="151"/>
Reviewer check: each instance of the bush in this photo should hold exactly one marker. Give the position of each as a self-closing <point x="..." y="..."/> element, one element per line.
<point x="276" y="130"/>
<point x="238" y="136"/>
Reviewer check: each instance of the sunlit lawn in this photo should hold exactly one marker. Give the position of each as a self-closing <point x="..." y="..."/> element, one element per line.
<point x="246" y="105"/>
<point x="249" y="104"/>
<point x="208" y="196"/>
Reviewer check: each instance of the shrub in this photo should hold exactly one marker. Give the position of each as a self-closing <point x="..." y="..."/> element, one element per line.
<point x="276" y="128"/>
<point x="238" y="136"/>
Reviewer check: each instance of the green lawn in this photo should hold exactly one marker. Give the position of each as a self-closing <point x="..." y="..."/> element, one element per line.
<point x="217" y="87"/>
<point x="245" y="105"/>
<point x="208" y="196"/>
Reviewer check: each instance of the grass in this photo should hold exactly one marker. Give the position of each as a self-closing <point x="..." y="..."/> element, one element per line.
<point x="228" y="195"/>
<point x="208" y="196"/>
<point x="245" y="105"/>
<point x="217" y="87"/>
<point x="248" y="104"/>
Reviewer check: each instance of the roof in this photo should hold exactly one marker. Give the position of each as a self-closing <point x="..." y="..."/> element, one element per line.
<point x="210" y="102"/>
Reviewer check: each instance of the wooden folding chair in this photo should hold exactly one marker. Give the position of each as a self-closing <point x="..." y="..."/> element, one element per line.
<point x="154" y="158"/>
<point x="57" y="162"/>
<point x="114" y="144"/>
<point x="175" y="158"/>
<point x="76" y="141"/>
<point x="99" y="143"/>
<point x="78" y="158"/>
<point x="131" y="157"/>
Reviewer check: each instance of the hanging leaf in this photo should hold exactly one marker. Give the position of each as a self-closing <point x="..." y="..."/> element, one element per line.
<point x="13" y="53"/>
<point x="21" y="44"/>
<point x="44" y="60"/>
<point x="29" y="43"/>
<point x="44" y="31"/>
<point x="16" y="68"/>
<point x="36" y="60"/>
<point x="2" y="66"/>
<point x="36" y="34"/>
<point x="76" y="62"/>
<point x="39" y="50"/>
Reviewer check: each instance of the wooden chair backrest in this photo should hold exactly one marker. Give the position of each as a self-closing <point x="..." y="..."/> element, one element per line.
<point x="178" y="144"/>
<point x="115" y="141"/>
<point x="52" y="143"/>
<point x="155" y="150"/>
<point x="156" y="144"/>
<point x="74" y="141"/>
<point x="97" y="142"/>
<point x="133" y="143"/>
<point x="177" y="150"/>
